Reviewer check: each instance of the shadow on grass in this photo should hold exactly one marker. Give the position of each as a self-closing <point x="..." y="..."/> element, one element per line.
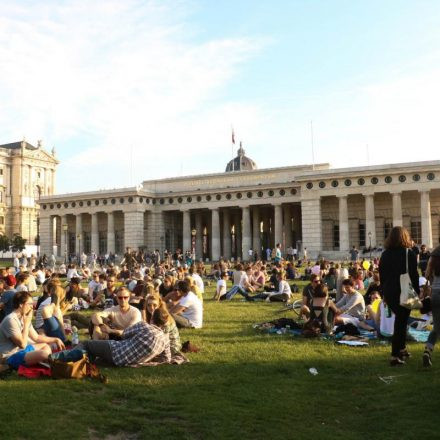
<point x="231" y="399"/>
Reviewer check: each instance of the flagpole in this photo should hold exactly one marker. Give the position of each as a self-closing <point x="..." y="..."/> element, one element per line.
<point x="313" y="149"/>
<point x="232" y="147"/>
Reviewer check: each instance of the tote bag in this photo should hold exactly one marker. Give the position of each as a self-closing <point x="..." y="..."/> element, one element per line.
<point x="408" y="296"/>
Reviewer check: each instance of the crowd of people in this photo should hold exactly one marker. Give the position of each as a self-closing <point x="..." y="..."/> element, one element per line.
<point x="135" y="310"/>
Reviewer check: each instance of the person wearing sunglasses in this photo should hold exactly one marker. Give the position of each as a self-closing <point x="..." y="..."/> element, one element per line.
<point x="111" y="323"/>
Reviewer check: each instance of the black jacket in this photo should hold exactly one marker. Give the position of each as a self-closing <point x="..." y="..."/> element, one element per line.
<point x="391" y="265"/>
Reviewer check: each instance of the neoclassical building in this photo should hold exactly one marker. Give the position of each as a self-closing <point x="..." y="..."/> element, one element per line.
<point x="225" y="214"/>
<point x="26" y="174"/>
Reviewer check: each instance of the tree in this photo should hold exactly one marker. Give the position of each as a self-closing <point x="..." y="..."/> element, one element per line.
<point x="4" y="243"/>
<point x="18" y="243"/>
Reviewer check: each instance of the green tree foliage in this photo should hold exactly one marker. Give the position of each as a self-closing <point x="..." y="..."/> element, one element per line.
<point x="4" y="243"/>
<point x="18" y="243"/>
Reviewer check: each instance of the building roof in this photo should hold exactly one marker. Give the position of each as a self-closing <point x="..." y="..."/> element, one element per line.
<point x="17" y="146"/>
<point x="241" y="162"/>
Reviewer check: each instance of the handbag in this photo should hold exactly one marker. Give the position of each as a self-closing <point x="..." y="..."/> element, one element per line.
<point x="74" y="364"/>
<point x="408" y="296"/>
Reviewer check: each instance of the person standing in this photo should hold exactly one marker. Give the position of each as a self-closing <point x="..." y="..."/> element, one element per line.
<point x="392" y="264"/>
<point x="433" y="275"/>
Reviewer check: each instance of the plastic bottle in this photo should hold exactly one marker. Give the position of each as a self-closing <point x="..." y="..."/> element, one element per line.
<point x="75" y="337"/>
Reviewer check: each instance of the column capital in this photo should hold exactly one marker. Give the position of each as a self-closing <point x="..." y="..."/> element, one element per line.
<point x="424" y="191"/>
<point x="342" y="196"/>
<point x="395" y="193"/>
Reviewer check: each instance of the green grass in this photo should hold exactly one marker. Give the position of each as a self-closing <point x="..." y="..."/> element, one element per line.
<point x="243" y="384"/>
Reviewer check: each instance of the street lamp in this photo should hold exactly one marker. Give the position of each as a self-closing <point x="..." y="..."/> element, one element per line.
<point x="65" y="229"/>
<point x="369" y="238"/>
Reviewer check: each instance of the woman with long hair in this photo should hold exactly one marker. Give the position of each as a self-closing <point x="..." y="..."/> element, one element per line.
<point x="433" y="275"/>
<point x="392" y="264"/>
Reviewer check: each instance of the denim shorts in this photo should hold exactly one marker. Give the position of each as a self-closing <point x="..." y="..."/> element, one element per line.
<point x="17" y="359"/>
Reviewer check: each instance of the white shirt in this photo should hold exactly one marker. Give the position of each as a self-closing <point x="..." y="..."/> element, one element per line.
<point x="41" y="277"/>
<point x="221" y="287"/>
<point x="244" y="281"/>
<point x="72" y="273"/>
<point x="199" y="282"/>
<point x="193" y="309"/>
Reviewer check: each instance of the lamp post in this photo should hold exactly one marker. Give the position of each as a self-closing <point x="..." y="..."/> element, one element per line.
<point x="65" y="229"/>
<point x="193" y="244"/>
<point x="369" y="238"/>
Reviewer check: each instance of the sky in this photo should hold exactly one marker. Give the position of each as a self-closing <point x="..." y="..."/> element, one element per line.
<point x="132" y="90"/>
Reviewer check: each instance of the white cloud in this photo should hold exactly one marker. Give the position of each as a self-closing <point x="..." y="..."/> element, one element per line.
<point x="118" y="74"/>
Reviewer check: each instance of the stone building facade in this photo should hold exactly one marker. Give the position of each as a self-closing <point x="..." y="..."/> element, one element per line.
<point x="26" y="174"/>
<point x="226" y="214"/>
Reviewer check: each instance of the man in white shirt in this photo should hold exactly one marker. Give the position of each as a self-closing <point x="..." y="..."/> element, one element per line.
<point x="111" y="323"/>
<point x="188" y="312"/>
<point x="197" y="279"/>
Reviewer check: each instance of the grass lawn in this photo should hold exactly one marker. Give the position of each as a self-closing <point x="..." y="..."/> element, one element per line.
<point x="242" y="384"/>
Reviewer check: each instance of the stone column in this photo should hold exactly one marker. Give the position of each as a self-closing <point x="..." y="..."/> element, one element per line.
<point x="246" y="242"/>
<point x="256" y="232"/>
<point x="287" y="227"/>
<point x="311" y="226"/>
<point x="111" y="245"/>
<point x="370" y="220"/>
<point x="278" y="216"/>
<point x="46" y="235"/>
<point x="344" y="238"/>
<point x="226" y="234"/>
<point x="95" y="234"/>
<point x="215" y="235"/>
<point x="134" y="229"/>
<point x="64" y="235"/>
<point x="397" y="209"/>
<point x="199" y="236"/>
<point x="79" y="243"/>
<point x="425" y="215"/>
<point x="186" y="231"/>
<point x="237" y="227"/>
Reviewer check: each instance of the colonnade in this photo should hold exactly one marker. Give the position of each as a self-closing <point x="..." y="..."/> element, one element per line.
<point x="312" y="219"/>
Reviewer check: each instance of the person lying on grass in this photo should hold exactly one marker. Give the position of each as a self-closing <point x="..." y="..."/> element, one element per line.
<point x="351" y="307"/>
<point x="20" y="344"/>
<point x="138" y="344"/>
<point x="111" y="323"/>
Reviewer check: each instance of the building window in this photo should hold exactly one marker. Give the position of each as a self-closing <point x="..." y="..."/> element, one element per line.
<point x="322" y="185"/>
<point x="1" y="196"/>
<point x="2" y="220"/>
<point x="431" y="176"/>
<point x="386" y="229"/>
<point x="374" y="180"/>
<point x="335" y="183"/>
<point x="361" y="235"/>
<point x="1" y="171"/>
<point x="335" y="236"/>
<point x="402" y="178"/>
<point x="388" y="179"/>
<point x="416" y="231"/>
<point x="361" y="181"/>
<point x="87" y="243"/>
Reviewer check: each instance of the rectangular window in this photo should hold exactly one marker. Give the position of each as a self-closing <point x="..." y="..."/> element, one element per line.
<point x="416" y="231"/>
<point x="1" y="171"/>
<point x="386" y="229"/>
<point x="102" y="243"/>
<point x="87" y="245"/>
<point x="361" y="235"/>
<point x="335" y="236"/>
<point x="2" y="220"/>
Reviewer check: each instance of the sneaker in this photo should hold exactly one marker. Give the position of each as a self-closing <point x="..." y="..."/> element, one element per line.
<point x="427" y="362"/>
<point x="397" y="362"/>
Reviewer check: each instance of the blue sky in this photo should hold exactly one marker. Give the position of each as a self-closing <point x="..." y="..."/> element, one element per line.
<point x="135" y="90"/>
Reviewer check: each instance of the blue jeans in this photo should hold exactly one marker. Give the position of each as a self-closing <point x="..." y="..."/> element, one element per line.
<point x="52" y="327"/>
<point x="234" y="290"/>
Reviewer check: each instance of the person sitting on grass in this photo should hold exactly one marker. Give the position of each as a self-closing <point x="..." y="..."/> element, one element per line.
<point x="7" y="295"/>
<point x="351" y="307"/>
<point x="20" y="344"/>
<point x="138" y="343"/>
<point x="221" y="287"/>
<point x="282" y="295"/>
<point x="258" y="278"/>
<point x="111" y="323"/>
<point x="156" y="312"/>
<point x="52" y="314"/>
<point x="188" y="312"/>
<point x="243" y="287"/>
<point x="307" y="295"/>
<point x="322" y="310"/>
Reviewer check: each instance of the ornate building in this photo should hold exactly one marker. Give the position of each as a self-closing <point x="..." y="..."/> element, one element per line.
<point x="226" y="214"/>
<point x="26" y="174"/>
